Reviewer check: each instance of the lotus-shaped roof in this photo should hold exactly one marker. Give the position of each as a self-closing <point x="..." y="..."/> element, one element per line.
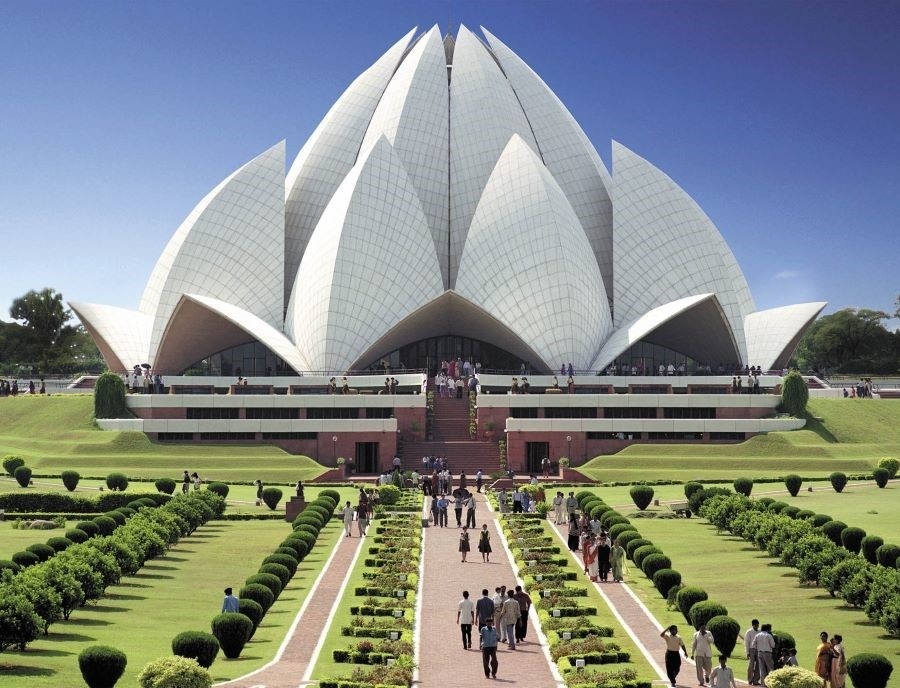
<point x="447" y="191"/>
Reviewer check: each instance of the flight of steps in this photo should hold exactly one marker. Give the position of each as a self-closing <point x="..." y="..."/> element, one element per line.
<point x="450" y="438"/>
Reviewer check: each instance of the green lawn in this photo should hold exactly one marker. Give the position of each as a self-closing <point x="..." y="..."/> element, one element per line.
<point x="178" y="592"/>
<point x="842" y="435"/>
<point x="57" y="433"/>
<point x="753" y="585"/>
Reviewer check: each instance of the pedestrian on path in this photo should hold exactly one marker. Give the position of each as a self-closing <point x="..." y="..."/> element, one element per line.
<point x="701" y="653"/>
<point x="498" y="599"/>
<point x="571" y="504"/>
<point x="509" y="617"/>
<point x="464" y="544"/>
<point x="347" y="512"/>
<point x="604" y="552"/>
<point x="443" y="505"/>
<point x="230" y="603"/>
<point x="259" y="489"/>
<point x="488" y="635"/>
<point x="484" y="609"/>
<point x="574" y="532"/>
<point x="479" y="480"/>
<point x="465" y="617"/>
<point x="589" y="556"/>
<point x="501" y="500"/>
<point x="722" y="676"/>
<point x="470" y="511"/>
<point x="524" y="600"/>
<point x="434" y="509"/>
<point x="559" y="509"/>
<point x="673" y="644"/>
<point x="765" y="645"/>
<point x="458" y="508"/>
<point x="750" y="652"/>
<point x="362" y="518"/>
<point x="617" y="561"/>
<point x="484" y="544"/>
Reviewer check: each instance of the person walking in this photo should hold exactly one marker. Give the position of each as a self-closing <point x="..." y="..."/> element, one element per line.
<point x="479" y="480"/>
<point x="604" y="552"/>
<point x="347" y="513"/>
<point x="230" y="603"/>
<point x="765" y="645"/>
<point x="524" y="600"/>
<point x="509" y="617"/>
<point x="722" y="676"/>
<point x="489" y="639"/>
<point x="362" y="517"/>
<point x="465" y="617"/>
<point x="443" y="505"/>
<point x="484" y="544"/>
<point x="470" y="511"/>
<point x="484" y="610"/>
<point x="559" y="509"/>
<point x="824" y="657"/>
<point x="750" y="652"/>
<point x="589" y="556"/>
<point x="673" y="659"/>
<point x="701" y="653"/>
<point x="186" y="486"/>
<point x="574" y="532"/>
<point x="458" y="507"/>
<point x="259" y="490"/>
<point x="498" y="599"/>
<point x="464" y="544"/>
<point x="571" y="505"/>
<point x="838" y="662"/>
<point x="617" y="561"/>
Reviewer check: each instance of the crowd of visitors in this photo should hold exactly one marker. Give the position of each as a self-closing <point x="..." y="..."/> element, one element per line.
<point x="862" y="390"/>
<point x="12" y="389"/>
<point x="501" y="618"/>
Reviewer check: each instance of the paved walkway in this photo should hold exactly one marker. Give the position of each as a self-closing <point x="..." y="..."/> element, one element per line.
<point x="442" y="659"/>
<point x="294" y="658"/>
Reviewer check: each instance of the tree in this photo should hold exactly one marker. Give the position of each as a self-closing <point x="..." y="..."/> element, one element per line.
<point x="794" y="394"/>
<point x="851" y="340"/>
<point x="44" y="316"/>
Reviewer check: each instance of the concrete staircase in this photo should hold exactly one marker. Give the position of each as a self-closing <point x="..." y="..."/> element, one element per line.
<point x="450" y="439"/>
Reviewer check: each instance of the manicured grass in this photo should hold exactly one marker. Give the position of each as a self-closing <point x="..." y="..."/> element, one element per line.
<point x="178" y="592"/>
<point x="753" y="585"/>
<point x="57" y="433"/>
<point x="850" y="437"/>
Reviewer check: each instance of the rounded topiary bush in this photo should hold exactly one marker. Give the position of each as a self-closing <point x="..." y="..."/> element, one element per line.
<point x="641" y="495"/>
<point x="627" y="536"/>
<point x="258" y="593"/>
<point x="333" y="494"/>
<point x="308" y="528"/>
<point x="612" y="519"/>
<point x="388" y="494"/>
<point x="280" y="571"/>
<point x="783" y="641"/>
<point x="24" y="559"/>
<point x="117" y="482"/>
<point x="109" y="396"/>
<point x="60" y="544"/>
<point x="322" y="511"/>
<point x="165" y="485"/>
<point x="105" y="525"/>
<point x="764" y="502"/>
<point x="233" y="630"/>
<point x="310" y="518"/>
<point x="598" y="510"/>
<point x="42" y="551"/>
<point x="77" y="535"/>
<point x="666" y="579"/>
<point x="197" y="645"/>
<point x="743" y="486"/>
<point x="838" y="481"/>
<point x="283" y="560"/>
<point x="851" y="539"/>
<point x="890" y="465"/>
<point x="299" y="547"/>
<point x="303" y="536"/>
<point x="793" y="677"/>
<point x="268" y="580"/>
<point x="618" y="528"/>
<point x="11" y="463"/>
<point x="70" y="479"/>
<point x="253" y="611"/>
<point x="287" y="551"/>
<point x="869" y="547"/>
<point x="881" y="476"/>
<point x="23" y="476"/>
<point x="725" y="632"/>
<point x="174" y="672"/>
<point x="6" y="564"/>
<point x="790" y="511"/>
<point x="642" y="553"/>
<point x="832" y="530"/>
<point x="697" y="498"/>
<point x="218" y="488"/>
<point x="793" y="482"/>
<point x="116" y="516"/>
<point x="794" y="394"/>
<point x="635" y="545"/>
<point x="655" y="562"/>
<point x="819" y="520"/>
<point x="101" y="666"/>
<point x="886" y="555"/>
<point x="687" y="597"/>
<point x="691" y="487"/>
<point x="805" y="514"/>
<point x="702" y="612"/>
<point x="869" y="670"/>
<point x="88" y="527"/>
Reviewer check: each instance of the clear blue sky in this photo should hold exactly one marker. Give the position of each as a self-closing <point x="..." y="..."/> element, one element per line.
<point x="781" y="119"/>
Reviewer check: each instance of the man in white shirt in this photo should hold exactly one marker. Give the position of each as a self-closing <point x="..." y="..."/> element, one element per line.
<point x="701" y="653"/>
<point x="499" y="597"/>
<point x="765" y="645"/>
<point x="722" y="676"/>
<point x="465" y="617"/>
<point x="559" y="516"/>
<point x="571" y="505"/>
<point x="750" y="651"/>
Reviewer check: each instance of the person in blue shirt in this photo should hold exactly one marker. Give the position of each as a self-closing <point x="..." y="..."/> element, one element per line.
<point x="489" y="648"/>
<point x="230" y="603"/>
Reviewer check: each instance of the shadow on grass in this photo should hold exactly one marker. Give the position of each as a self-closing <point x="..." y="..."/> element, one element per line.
<point x="114" y="596"/>
<point x="156" y="576"/>
<point x="819" y="428"/>
<point x="44" y="652"/>
<point x="202" y="536"/>
<point x="176" y="558"/>
<point x="129" y="584"/>
<point x="67" y="638"/>
<point x="24" y="670"/>
<point x="76" y="621"/>
<point x="108" y="609"/>
<point x="158" y="567"/>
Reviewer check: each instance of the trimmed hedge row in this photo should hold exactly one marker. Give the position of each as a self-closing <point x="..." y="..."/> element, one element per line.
<point x="60" y="502"/>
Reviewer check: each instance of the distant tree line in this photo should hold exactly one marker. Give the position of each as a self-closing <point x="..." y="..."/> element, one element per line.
<point x="43" y="340"/>
<point x="852" y="340"/>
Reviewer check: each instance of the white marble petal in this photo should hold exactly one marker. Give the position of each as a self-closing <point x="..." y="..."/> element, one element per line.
<point x="772" y="335"/>
<point x="122" y="335"/>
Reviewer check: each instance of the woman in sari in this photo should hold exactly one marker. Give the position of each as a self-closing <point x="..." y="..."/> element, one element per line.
<point x="824" y="655"/>
<point x="617" y="560"/>
<point x="838" y="663"/>
<point x="574" y="531"/>
<point x="591" y="560"/>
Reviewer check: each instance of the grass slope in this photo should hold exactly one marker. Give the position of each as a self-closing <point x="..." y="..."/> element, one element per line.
<point x="841" y="435"/>
<point x="57" y="433"/>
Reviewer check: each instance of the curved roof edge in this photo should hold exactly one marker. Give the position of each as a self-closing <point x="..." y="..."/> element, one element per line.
<point x="773" y="335"/>
<point x="695" y="326"/>
<point x="122" y="335"/>
<point x="451" y="314"/>
<point x="201" y="325"/>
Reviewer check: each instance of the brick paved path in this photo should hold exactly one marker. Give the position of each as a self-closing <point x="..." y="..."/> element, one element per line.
<point x="442" y="659"/>
<point x="287" y="670"/>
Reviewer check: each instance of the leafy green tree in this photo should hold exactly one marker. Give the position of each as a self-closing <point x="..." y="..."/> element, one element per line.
<point x="851" y="340"/>
<point x="794" y="394"/>
<point x="44" y="315"/>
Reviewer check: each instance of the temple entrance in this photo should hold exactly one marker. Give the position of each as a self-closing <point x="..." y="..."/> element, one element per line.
<point x="367" y="457"/>
<point x="428" y="353"/>
<point x="534" y="454"/>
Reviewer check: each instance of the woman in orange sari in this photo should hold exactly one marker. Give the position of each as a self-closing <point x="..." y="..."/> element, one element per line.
<point x="824" y="655"/>
<point x="589" y="554"/>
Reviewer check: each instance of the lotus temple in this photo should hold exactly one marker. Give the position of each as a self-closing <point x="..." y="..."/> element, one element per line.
<point x="448" y="206"/>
